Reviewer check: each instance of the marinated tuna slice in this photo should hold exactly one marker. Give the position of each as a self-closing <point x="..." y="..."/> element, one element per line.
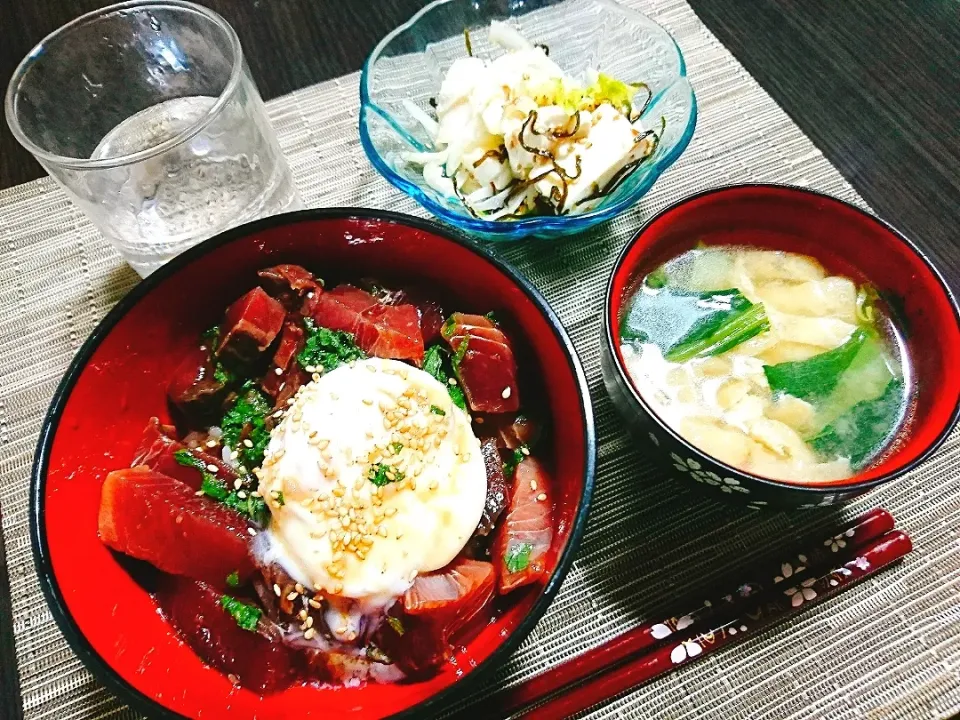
<point x="250" y="326"/>
<point x="490" y="333"/>
<point x="290" y="382"/>
<point x="342" y="307"/>
<point x="257" y="657"/>
<point x="158" y="451"/>
<point x="196" y="389"/>
<point x="511" y="432"/>
<point x="466" y="320"/>
<point x="431" y="320"/>
<point x="496" y="487"/>
<point x="487" y="371"/>
<point x="161" y="520"/>
<point x="387" y="331"/>
<point x="523" y="539"/>
<point x="289" y="284"/>
<point x="384" y="295"/>
<point x="391" y="331"/>
<point x="453" y="594"/>
<point x="291" y="343"/>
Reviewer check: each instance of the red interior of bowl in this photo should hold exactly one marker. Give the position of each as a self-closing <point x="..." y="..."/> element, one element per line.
<point x="848" y="242"/>
<point x="123" y="385"/>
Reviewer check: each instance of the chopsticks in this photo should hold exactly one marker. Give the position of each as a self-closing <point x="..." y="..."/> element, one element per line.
<point x="775" y="592"/>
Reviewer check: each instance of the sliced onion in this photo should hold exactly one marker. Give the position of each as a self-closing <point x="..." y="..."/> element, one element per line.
<point x="434" y="176"/>
<point x="508" y="37"/>
<point x="493" y="202"/>
<point x="511" y="207"/>
<point x="429" y="124"/>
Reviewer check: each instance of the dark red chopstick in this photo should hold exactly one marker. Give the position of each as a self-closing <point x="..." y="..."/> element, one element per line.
<point x="856" y="533"/>
<point x="765" y="611"/>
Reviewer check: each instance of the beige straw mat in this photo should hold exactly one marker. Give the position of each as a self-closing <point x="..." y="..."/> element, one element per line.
<point x="889" y="648"/>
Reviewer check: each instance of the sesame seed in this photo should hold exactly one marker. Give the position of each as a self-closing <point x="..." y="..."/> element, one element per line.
<point x="252" y="532"/>
<point x="242" y="495"/>
<point x="323" y="444"/>
<point x="479" y="420"/>
<point x="367" y="401"/>
<point x="237" y="484"/>
<point x="434" y="484"/>
<point x="310" y="368"/>
<point x="278" y="414"/>
<point x="371" y="368"/>
<point x="345" y="521"/>
<point x="382" y="531"/>
<point x="338" y="588"/>
<point x="318" y="587"/>
<point x="298" y="587"/>
<point x="390" y="512"/>
<point x="302" y="615"/>
<point x="314" y="604"/>
<point x="309" y="633"/>
<point x="309" y="621"/>
<point x="525" y="450"/>
<point x="247" y="442"/>
<point x="289" y="401"/>
<point x="213" y="468"/>
<point x="506" y="393"/>
<point x="211" y="443"/>
<point x="278" y="370"/>
<point x="199" y="493"/>
<point x="277" y="591"/>
<point x="256" y="493"/>
<point x="452" y="381"/>
<point x="533" y="484"/>
<point x="292" y="595"/>
<point x="315" y="377"/>
<point x="541" y="497"/>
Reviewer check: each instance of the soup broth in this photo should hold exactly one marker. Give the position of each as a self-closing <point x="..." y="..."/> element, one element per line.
<point x="768" y="363"/>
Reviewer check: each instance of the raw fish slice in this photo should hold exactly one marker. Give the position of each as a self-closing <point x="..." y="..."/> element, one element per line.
<point x="453" y="594"/>
<point x="466" y="320"/>
<point x="391" y="331"/>
<point x="250" y="326"/>
<point x="487" y="371"/>
<point x="496" y="499"/>
<point x="194" y="388"/>
<point x="157" y="451"/>
<point x="523" y="539"/>
<point x="291" y="343"/>
<point x="289" y="284"/>
<point x="258" y="658"/>
<point x="431" y="320"/>
<point x="417" y="634"/>
<point x="341" y="308"/>
<point x="156" y="518"/>
<point x="494" y="334"/>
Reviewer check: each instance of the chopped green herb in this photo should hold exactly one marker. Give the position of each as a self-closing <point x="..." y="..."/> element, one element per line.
<point x="396" y="625"/>
<point x="859" y="432"/>
<point x="217" y="489"/>
<point x="327" y="349"/>
<point x="518" y="455"/>
<point x="382" y="474"/>
<point x="278" y="496"/>
<point x="518" y="557"/>
<point x="249" y="506"/>
<point x="449" y="325"/>
<point x="735" y="328"/>
<point x="211" y="333"/>
<point x="397" y="447"/>
<point x="222" y="375"/>
<point x="233" y="579"/>
<point x="246" y="420"/>
<point x="188" y="459"/>
<point x="436" y="362"/>
<point x="246" y="616"/>
<point x="459" y="355"/>
<point x="437" y="411"/>
<point x="491" y="317"/>
<point x="378" y="655"/>
<point x="816" y="376"/>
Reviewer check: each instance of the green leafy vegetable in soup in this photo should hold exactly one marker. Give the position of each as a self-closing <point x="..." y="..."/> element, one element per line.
<point x="517" y="557"/>
<point x="436" y="362"/>
<point x="767" y="362"/>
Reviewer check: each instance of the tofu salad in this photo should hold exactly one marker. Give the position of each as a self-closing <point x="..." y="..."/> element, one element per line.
<point x="516" y="136"/>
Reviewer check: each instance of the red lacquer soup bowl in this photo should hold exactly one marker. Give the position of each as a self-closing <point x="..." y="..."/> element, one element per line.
<point x="118" y="381"/>
<point x="847" y="241"/>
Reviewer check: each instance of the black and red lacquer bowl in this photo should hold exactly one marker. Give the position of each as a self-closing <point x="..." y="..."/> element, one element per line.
<point x="117" y="382"/>
<point x="847" y="241"/>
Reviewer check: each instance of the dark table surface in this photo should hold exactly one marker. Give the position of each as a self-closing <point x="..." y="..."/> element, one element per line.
<point x="875" y="85"/>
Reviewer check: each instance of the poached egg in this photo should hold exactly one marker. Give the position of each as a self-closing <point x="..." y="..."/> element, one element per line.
<point x="373" y="477"/>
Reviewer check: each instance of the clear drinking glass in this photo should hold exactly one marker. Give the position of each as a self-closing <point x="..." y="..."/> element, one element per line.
<point x="145" y="112"/>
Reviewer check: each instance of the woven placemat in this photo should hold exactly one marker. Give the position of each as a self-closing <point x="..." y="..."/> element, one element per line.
<point x="887" y="649"/>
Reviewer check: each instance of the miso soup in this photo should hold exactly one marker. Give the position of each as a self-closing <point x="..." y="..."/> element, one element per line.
<point x="768" y="363"/>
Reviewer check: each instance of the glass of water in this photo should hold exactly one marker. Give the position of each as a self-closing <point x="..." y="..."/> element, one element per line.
<point x="145" y="112"/>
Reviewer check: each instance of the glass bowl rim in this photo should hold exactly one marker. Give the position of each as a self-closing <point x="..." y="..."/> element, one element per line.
<point x="536" y="223"/>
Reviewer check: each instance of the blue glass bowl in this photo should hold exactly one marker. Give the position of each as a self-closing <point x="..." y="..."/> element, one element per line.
<point x="410" y="63"/>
